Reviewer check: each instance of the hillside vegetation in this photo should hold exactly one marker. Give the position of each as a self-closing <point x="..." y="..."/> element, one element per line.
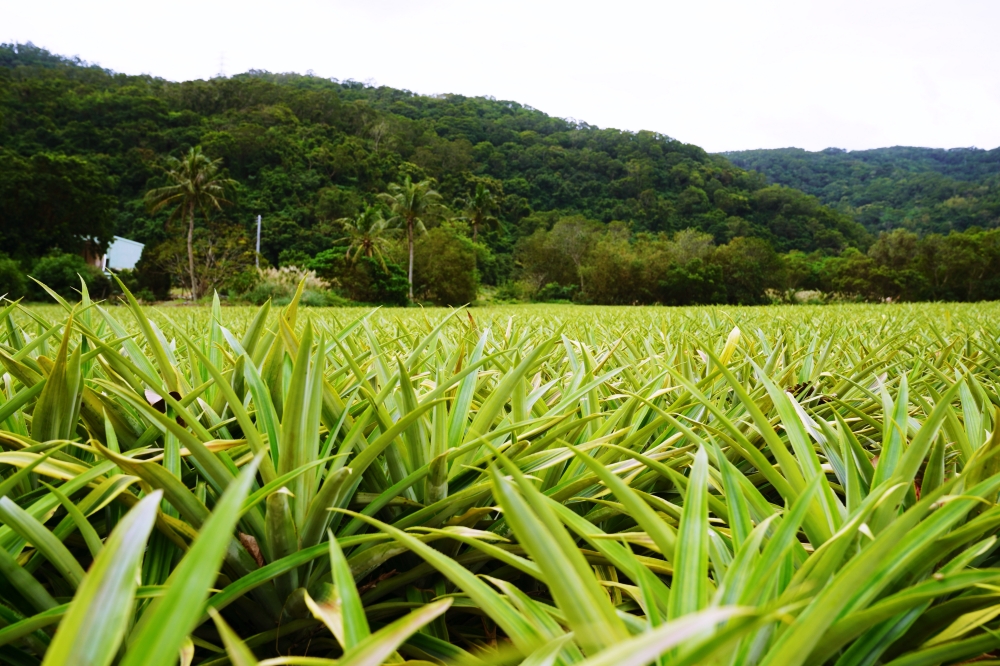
<point x="926" y="190"/>
<point x="385" y="196"/>
<point x="307" y="150"/>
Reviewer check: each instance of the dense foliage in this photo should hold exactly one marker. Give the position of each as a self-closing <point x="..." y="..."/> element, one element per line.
<point x="593" y="264"/>
<point x="960" y="266"/>
<point x="307" y="151"/>
<point x="374" y="187"/>
<point x="51" y="201"/>
<point x="926" y="190"/>
<point x="616" y="487"/>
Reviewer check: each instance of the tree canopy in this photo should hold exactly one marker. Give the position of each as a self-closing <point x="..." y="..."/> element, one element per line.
<point x="555" y="208"/>
<point x="927" y="190"/>
<point x="307" y="150"/>
<point x="52" y="201"/>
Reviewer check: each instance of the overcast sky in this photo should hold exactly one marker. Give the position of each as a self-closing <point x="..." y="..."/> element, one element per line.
<point x="723" y="74"/>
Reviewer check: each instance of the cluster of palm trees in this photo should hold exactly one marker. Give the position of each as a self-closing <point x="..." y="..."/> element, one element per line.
<point x="197" y="184"/>
<point x="411" y="206"/>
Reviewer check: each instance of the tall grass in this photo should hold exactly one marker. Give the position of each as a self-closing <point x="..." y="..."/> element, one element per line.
<point x="534" y="485"/>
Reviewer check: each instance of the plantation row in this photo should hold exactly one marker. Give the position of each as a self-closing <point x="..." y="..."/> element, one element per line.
<point x="527" y="485"/>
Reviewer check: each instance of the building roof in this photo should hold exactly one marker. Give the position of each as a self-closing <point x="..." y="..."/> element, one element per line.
<point x="123" y="254"/>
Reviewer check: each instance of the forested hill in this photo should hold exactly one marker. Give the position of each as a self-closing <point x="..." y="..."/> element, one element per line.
<point x="923" y="189"/>
<point x="307" y="150"/>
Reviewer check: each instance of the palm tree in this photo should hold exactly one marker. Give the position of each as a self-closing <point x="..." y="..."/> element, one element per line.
<point x="411" y="204"/>
<point x="368" y="235"/>
<point x="195" y="184"/>
<point x="479" y="210"/>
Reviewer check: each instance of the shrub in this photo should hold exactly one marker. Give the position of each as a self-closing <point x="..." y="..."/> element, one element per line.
<point x="243" y="282"/>
<point x="292" y="258"/>
<point x="62" y="273"/>
<point x="368" y="282"/>
<point x="13" y="283"/>
<point x="322" y="299"/>
<point x="262" y="292"/>
<point x="279" y="285"/>
<point x="151" y="278"/>
<point x="445" y="267"/>
<point x="364" y="280"/>
<point x="809" y="297"/>
<point x="553" y="292"/>
<point x="329" y="264"/>
<point x="749" y="268"/>
<point x="512" y="291"/>
<point x="131" y="280"/>
<point x="691" y="283"/>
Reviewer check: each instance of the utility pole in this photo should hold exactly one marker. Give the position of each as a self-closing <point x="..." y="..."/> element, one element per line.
<point x="257" y="259"/>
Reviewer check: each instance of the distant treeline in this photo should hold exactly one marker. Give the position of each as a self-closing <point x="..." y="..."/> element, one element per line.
<point x="926" y="190"/>
<point x="689" y="268"/>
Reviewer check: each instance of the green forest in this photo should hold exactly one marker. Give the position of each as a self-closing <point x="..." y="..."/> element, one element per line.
<point x="379" y="195"/>
<point x="926" y="190"/>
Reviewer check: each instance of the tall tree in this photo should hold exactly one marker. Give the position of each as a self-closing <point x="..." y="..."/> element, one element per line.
<point x="196" y="184"/>
<point x="368" y="234"/>
<point x="51" y="201"/>
<point x="479" y="208"/>
<point x="412" y="204"/>
<point x="574" y="236"/>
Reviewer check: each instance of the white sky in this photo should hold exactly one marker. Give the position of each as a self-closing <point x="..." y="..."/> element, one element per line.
<point x="722" y="74"/>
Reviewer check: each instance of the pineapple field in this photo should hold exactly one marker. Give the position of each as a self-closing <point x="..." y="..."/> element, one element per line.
<point x="533" y="485"/>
